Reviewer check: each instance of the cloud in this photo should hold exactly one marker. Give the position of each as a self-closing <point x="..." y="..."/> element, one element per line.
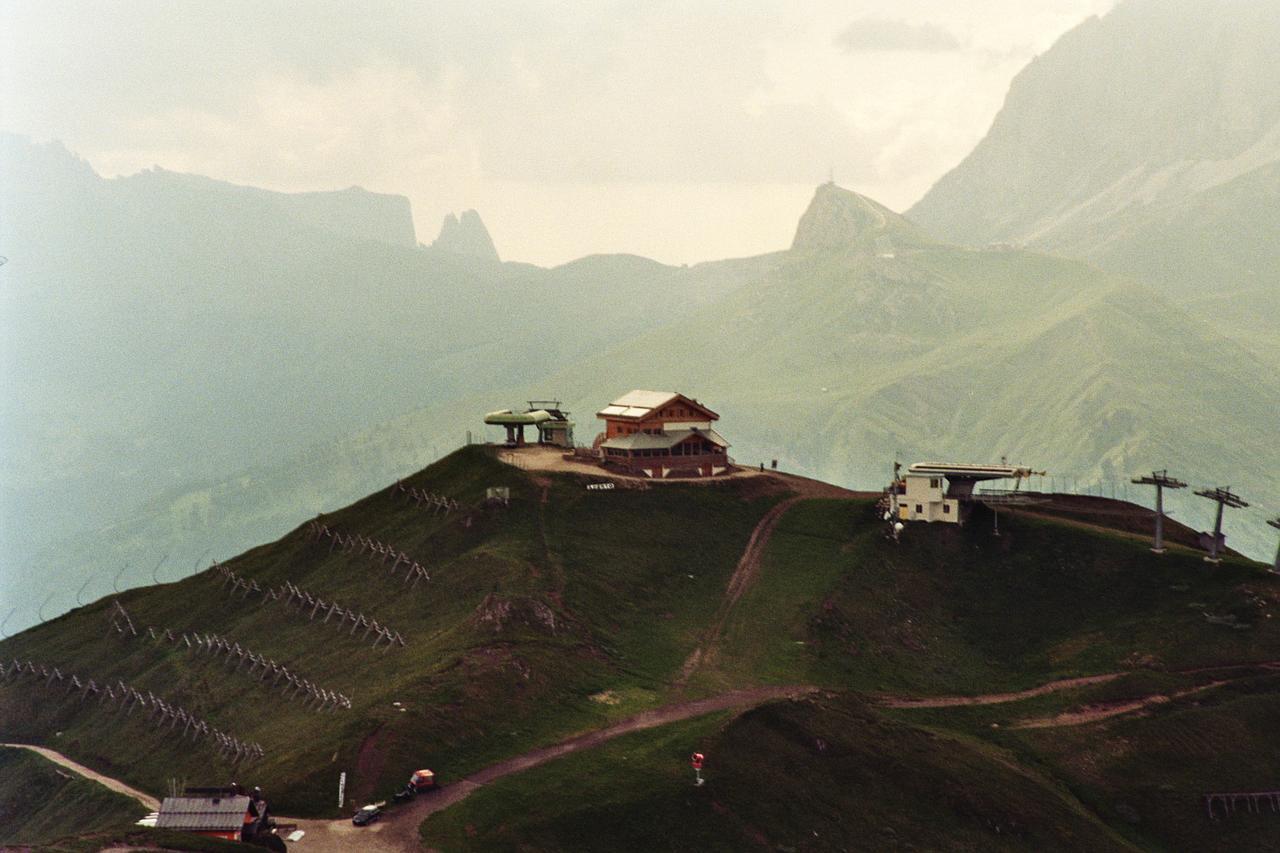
<point x="868" y="35"/>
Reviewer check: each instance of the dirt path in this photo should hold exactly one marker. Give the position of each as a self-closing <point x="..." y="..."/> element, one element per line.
<point x="399" y="831"/>
<point x="748" y="568"/>
<point x="151" y="803"/>
<point x="1106" y="710"/>
<point x="1088" y="713"/>
<point x="744" y="574"/>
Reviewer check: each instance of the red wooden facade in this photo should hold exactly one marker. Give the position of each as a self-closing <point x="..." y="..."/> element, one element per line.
<point x="661" y="434"/>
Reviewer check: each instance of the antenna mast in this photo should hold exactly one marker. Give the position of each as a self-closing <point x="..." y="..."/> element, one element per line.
<point x="1224" y="497"/>
<point x="1161" y="480"/>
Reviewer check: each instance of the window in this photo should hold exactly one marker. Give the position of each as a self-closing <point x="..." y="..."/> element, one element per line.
<point x="920" y="508"/>
<point x="935" y="483"/>
<point x="946" y="509"/>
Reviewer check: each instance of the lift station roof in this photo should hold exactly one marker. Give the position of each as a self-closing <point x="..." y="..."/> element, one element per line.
<point x="968" y="471"/>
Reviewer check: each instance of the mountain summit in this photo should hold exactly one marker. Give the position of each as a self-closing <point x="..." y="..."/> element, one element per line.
<point x="1146" y="142"/>
<point x="841" y="219"/>
<point x="466" y="235"/>
<point x="1140" y="109"/>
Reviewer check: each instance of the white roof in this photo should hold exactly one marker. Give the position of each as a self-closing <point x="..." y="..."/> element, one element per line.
<point x="625" y="411"/>
<point x="636" y="404"/>
<point x="966" y="470"/>
<point x="644" y="399"/>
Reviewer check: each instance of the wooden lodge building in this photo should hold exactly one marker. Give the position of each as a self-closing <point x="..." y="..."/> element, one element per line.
<point x="661" y="434"/>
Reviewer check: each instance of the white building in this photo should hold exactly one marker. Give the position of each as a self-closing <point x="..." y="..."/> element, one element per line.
<point x="940" y="491"/>
<point x="924" y="498"/>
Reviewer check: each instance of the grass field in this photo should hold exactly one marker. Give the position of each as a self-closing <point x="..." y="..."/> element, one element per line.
<point x="958" y="610"/>
<point x="827" y="773"/>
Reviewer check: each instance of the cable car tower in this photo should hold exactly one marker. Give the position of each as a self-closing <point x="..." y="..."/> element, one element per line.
<point x="1161" y="480"/>
<point x="1275" y="522"/>
<point x="1224" y="497"/>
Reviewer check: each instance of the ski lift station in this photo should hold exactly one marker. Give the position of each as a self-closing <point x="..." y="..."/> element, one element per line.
<point x="945" y="491"/>
<point x="553" y="425"/>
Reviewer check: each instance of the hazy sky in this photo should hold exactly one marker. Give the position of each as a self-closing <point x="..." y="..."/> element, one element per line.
<point x="682" y="131"/>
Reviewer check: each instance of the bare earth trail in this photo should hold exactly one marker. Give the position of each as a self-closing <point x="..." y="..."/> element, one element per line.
<point x="1088" y="713"/>
<point x="997" y="698"/>
<point x="150" y="802"/>
<point x="748" y="568"/>
<point x="1107" y="710"/>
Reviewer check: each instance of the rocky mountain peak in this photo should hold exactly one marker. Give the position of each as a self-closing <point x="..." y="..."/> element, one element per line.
<point x="466" y="235"/>
<point x="838" y="219"/>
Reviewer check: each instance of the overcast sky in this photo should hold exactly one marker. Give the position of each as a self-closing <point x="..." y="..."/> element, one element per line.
<point x="681" y="131"/>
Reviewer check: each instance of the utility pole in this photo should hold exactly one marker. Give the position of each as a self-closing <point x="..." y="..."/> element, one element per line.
<point x="1161" y="480"/>
<point x="1224" y="497"/>
<point x="1275" y="522"/>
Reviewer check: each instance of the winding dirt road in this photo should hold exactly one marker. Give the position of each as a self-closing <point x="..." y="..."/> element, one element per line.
<point x="151" y="803"/>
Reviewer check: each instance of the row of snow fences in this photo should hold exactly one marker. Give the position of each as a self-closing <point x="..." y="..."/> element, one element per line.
<point x="289" y="595"/>
<point x="424" y="499"/>
<point x="260" y="667"/>
<point x="122" y="697"/>
<point x="356" y="543"/>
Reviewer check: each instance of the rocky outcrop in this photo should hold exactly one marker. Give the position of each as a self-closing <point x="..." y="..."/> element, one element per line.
<point x="466" y="235"/>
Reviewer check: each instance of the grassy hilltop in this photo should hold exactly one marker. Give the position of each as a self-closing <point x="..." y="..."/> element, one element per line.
<point x="571" y="608"/>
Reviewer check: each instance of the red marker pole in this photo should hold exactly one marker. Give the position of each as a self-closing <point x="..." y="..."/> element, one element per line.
<point x="696" y="761"/>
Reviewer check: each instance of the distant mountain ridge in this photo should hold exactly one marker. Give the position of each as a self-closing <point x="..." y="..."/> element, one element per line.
<point x="310" y="367"/>
<point x="1154" y="102"/>
<point x="352" y="212"/>
<point x="1146" y="142"/>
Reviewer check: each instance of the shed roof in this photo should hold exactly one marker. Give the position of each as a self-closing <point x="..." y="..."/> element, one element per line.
<point x="216" y="814"/>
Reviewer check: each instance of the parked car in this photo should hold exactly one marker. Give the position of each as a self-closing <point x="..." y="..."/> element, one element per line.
<point x="367" y="815"/>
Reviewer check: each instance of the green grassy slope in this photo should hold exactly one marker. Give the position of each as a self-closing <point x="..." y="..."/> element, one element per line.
<point x="40" y="802"/>
<point x="946" y="611"/>
<point x="959" y="610"/>
<point x="572" y="608"/>
<point x="532" y="609"/>
<point x="826" y="773"/>
<point x="1148" y="773"/>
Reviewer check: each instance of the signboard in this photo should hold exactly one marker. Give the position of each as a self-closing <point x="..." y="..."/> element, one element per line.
<point x="342" y="787"/>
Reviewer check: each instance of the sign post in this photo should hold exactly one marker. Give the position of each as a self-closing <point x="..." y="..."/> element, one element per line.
<point x="697" y="760"/>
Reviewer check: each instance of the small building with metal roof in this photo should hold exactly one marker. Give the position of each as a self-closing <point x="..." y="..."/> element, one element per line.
<point x="221" y="816"/>
<point x="661" y="434"/>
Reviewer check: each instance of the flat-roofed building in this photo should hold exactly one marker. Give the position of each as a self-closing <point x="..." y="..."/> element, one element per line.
<point x="942" y="491"/>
